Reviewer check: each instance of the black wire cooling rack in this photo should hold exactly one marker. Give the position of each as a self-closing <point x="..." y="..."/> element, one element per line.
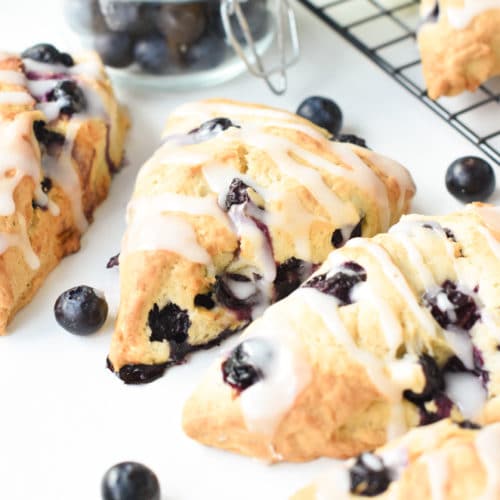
<point x="386" y="34"/>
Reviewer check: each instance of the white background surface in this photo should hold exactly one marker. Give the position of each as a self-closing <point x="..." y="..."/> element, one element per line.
<point x="64" y="419"/>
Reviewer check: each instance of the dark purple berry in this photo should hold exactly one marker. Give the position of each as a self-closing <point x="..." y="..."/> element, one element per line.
<point x="206" y="53"/>
<point x="338" y="235"/>
<point x="151" y="53"/>
<point x="444" y="406"/>
<point x="434" y="382"/>
<point x="130" y="481"/>
<point x="52" y="141"/>
<point x="46" y="184"/>
<point x="290" y="275"/>
<point x="71" y="97"/>
<point x="47" y="53"/>
<point x="212" y="128"/>
<point x="341" y="283"/>
<point x="323" y="112"/>
<point x="470" y="179"/>
<point x="204" y="300"/>
<point x="81" y="310"/>
<point x="181" y="23"/>
<point x="171" y="323"/>
<point x="352" y="139"/>
<point x="237" y="194"/>
<point x="115" y="49"/>
<point x="247" y="363"/>
<point x="113" y="261"/>
<point x="226" y="287"/>
<point x="368" y="476"/>
<point x="467" y="424"/>
<point x="450" y="306"/>
<point x="139" y="373"/>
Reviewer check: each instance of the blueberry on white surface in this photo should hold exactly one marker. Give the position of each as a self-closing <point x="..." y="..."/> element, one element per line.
<point x="151" y="53"/>
<point x="81" y="310"/>
<point x="130" y="481"/>
<point x="115" y="49"/>
<point x="470" y="179"/>
<point x="323" y="112"/>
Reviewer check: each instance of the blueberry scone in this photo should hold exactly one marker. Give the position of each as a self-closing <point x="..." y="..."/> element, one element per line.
<point x="459" y="44"/>
<point x="391" y="332"/>
<point x="61" y="138"/>
<point x="238" y="206"/>
<point x="443" y="461"/>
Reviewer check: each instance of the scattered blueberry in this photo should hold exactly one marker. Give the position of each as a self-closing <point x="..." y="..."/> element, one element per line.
<point x="352" y="139"/>
<point x="81" y="310"/>
<point x="341" y="283"/>
<point x="323" y="112"/>
<point x="449" y="306"/>
<point x="434" y="382"/>
<point x="181" y="23"/>
<point x="71" y="97"/>
<point x="290" y="275"/>
<point x="170" y="323"/>
<point x="227" y="284"/>
<point x="115" y="49"/>
<point x="467" y="424"/>
<point x="53" y="141"/>
<point x="151" y="53"/>
<point x="246" y="364"/>
<point x="212" y="128"/>
<point x="84" y="16"/>
<point x="237" y="194"/>
<point x="47" y="53"/>
<point x="204" y="300"/>
<point x="338" y="237"/>
<point x="130" y="481"/>
<point x="206" y="53"/>
<point x="369" y="477"/>
<point x="470" y="179"/>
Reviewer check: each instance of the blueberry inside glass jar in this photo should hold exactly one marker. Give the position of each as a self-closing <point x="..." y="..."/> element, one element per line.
<point x="179" y="44"/>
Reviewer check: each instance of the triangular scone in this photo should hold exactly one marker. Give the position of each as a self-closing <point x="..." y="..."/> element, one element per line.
<point x="442" y="461"/>
<point x="55" y="163"/>
<point x="234" y="211"/>
<point x="391" y="332"/>
<point x="459" y="44"/>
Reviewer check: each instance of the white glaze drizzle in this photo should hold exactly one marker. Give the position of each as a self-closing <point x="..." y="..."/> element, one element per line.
<point x="16" y="97"/>
<point x="461" y="17"/>
<point x="21" y="241"/>
<point x="265" y="403"/>
<point x="12" y="77"/>
<point x="467" y="392"/>
<point x="488" y="448"/>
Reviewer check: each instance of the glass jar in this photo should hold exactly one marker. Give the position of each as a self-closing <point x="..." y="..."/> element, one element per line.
<point x="179" y="44"/>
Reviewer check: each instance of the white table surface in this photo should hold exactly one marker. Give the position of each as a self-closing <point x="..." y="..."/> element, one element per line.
<point x="64" y="419"/>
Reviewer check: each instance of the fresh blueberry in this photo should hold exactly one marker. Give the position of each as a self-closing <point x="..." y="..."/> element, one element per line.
<point x="236" y="291"/>
<point x="450" y="306"/>
<point x="81" y="310"/>
<point x="170" y="323"/>
<point x="71" y="97"/>
<point x="434" y="381"/>
<point x="247" y="363"/>
<point x="206" y="53"/>
<point x="352" y="139"/>
<point x="470" y="179"/>
<point x="204" y="300"/>
<point x="115" y="49"/>
<point x="341" y="283"/>
<point x="134" y="17"/>
<point x="84" y="16"/>
<point x="212" y="128"/>
<point x="130" y="481"/>
<point x="369" y="476"/>
<point x="181" y="23"/>
<point x="338" y="236"/>
<point x="323" y="112"/>
<point x="151" y="53"/>
<point x="47" y="53"/>
<point x="237" y="194"/>
<point x="290" y="275"/>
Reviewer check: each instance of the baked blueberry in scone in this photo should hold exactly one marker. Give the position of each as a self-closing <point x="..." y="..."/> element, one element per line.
<point x="446" y="460"/>
<point x="459" y="43"/>
<point x="391" y="332"/>
<point x="239" y="206"/>
<point x="61" y="138"/>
